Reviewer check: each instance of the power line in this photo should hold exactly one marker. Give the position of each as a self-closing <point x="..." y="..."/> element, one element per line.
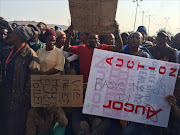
<point x="153" y="22"/>
<point x="148" y="18"/>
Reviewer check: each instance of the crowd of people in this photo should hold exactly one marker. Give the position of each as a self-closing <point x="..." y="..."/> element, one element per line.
<point x="37" y="49"/>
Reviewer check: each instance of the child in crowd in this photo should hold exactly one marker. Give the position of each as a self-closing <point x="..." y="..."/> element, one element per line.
<point x="43" y="121"/>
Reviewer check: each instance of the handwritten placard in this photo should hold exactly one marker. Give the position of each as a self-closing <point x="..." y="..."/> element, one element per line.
<point x="130" y="88"/>
<point x="93" y="16"/>
<point x="57" y="90"/>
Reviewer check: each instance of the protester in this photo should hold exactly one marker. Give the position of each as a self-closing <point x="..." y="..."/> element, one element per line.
<point x="151" y="39"/>
<point x="14" y="25"/>
<point x="46" y="121"/>
<point x="162" y="51"/>
<point x="85" y="51"/>
<point x="42" y="26"/>
<point x="20" y="64"/>
<point x="143" y="31"/>
<point x="175" y="110"/>
<point x="58" y="28"/>
<point x="176" y="43"/>
<point x="134" y="41"/>
<point x="34" y="42"/>
<point x="4" y="51"/>
<point x="5" y="31"/>
<point x="174" y="119"/>
<point x="109" y="39"/>
<point x="3" y="40"/>
<point x="51" y="58"/>
<point x="83" y="37"/>
<point x="60" y="41"/>
<point x="124" y="37"/>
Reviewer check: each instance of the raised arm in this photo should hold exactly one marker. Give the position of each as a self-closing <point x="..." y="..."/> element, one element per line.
<point x="67" y="46"/>
<point x="119" y="45"/>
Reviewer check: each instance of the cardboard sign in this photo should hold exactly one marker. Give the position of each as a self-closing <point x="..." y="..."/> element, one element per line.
<point x="130" y="88"/>
<point x="57" y="90"/>
<point x="93" y="16"/>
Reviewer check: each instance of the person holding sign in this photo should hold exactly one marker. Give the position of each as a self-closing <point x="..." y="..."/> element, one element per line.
<point x="175" y="110"/>
<point x="174" y="120"/>
<point x="51" y="58"/>
<point x="85" y="51"/>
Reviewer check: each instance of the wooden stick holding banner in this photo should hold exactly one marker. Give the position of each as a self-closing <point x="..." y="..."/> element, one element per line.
<point x="57" y="90"/>
<point x="93" y="16"/>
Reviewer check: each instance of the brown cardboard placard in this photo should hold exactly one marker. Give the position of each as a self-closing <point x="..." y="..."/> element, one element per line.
<point x="57" y="90"/>
<point x="93" y="16"/>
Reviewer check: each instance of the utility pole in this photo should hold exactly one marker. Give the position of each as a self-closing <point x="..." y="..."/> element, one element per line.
<point x="136" y="1"/>
<point x="143" y="12"/>
<point x="149" y="23"/>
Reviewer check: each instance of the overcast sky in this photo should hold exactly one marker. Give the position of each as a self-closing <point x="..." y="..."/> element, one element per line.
<point x="57" y="12"/>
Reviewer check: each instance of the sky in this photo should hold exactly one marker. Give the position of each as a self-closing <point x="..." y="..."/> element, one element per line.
<point x="163" y="13"/>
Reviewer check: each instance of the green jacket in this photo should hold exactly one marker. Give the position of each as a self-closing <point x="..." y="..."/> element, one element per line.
<point x="37" y="45"/>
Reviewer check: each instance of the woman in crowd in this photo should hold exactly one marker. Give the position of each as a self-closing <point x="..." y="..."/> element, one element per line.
<point x="51" y="58"/>
<point x="60" y="41"/>
<point x="52" y="62"/>
<point x="21" y="62"/>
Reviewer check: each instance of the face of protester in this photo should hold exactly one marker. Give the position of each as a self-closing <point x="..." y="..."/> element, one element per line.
<point x="161" y="39"/>
<point x="14" y="25"/>
<point x="3" y="34"/>
<point x="13" y="38"/>
<point x="82" y="37"/>
<point x="124" y="39"/>
<point x="135" y="40"/>
<point x="93" y="40"/>
<point x="35" y="37"/>
<point x="144" y="35"/>
<point x="50" y="42"/>
<point x="109" y="39"/>
<point x="42" y="28"/>
<point x="60" y="41"/>
<point x="177" y="38"/>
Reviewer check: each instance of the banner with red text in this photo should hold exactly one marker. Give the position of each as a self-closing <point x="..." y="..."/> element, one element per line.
<point x="130" y="88"/>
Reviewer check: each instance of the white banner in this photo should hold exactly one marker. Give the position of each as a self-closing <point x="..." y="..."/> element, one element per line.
<point x="130" y="88"/>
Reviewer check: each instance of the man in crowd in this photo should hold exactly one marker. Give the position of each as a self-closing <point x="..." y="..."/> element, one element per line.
<point x="143" y="31"/>
<point x="162" y="51"/>
<point x="124" y="37"/>
<point x="109" y="39"/>
<point x="176" y="43"/>
<point x="35" y="43"/>
<point x="85" y="51"/>
<point x="42" y="26"/>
